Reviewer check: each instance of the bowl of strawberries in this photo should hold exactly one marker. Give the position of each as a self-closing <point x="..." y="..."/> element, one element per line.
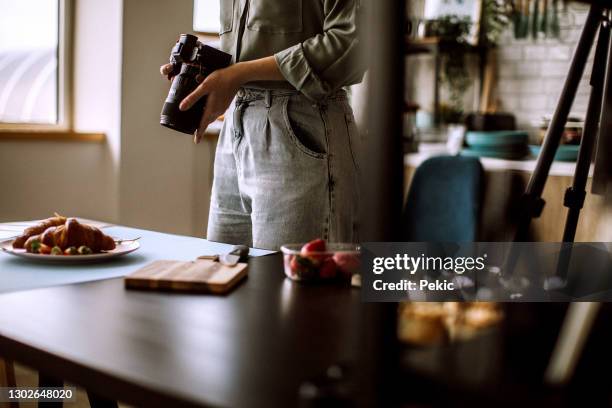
<point x="318" y="261"/>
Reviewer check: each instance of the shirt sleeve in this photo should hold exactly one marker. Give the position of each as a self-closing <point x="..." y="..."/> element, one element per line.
<point x="328" y="61"/>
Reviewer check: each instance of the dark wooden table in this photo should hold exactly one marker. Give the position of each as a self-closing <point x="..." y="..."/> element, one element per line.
<point x="253" y="347"/>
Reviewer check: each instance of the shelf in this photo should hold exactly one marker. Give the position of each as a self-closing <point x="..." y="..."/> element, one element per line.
<point x="427" y="150"/>
<point x="435" y="44"/>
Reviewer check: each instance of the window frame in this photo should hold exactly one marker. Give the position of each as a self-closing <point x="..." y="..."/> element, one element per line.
<point x="199" y="32"/>
<point x="64" y="79"/>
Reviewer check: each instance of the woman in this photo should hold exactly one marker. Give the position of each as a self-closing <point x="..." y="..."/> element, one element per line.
<point x="285" y="166"/>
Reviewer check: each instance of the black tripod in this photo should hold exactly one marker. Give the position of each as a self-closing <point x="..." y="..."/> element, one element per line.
<point x="599" y="107"/>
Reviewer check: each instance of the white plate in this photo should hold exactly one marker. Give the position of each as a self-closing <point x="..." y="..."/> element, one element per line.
<point x="122" y="248"/>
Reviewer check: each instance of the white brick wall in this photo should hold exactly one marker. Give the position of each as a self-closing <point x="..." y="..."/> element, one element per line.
<point x="531" y="72"/>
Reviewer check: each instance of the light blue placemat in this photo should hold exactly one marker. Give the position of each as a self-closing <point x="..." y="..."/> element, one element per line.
<point x="7" y="234"/>
<point x="21" y="274"/>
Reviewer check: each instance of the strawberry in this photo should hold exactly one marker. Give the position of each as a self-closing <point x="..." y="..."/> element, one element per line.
<point x="314" y="250"/>
<point x="347" y="263"/>
<point x="302" y="267"/>
<point x="328" y="269"/>
<point x="316" y="245"/>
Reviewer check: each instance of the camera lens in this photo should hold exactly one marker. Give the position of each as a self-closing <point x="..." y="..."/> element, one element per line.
<point x="182" y="85"/>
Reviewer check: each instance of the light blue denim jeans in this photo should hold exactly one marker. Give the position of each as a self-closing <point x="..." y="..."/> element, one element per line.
<point x="285" y="170"/>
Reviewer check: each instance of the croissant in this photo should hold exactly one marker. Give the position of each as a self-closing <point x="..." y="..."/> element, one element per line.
<point x="28" y="244"/>
<point x="39" y="228"/>
<point x="74" y="234"/>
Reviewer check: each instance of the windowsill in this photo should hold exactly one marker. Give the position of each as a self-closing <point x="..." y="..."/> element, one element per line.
<point x="50" y="136"/>
<point x="214" y="129"/>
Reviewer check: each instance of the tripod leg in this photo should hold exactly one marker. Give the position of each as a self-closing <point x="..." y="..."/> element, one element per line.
<point x="574" y="196"/>
<point x="532" y="202"/>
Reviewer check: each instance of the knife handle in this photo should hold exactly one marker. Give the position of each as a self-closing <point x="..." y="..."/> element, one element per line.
<point x="210" y="257"/>
<point x="241" y="250"/>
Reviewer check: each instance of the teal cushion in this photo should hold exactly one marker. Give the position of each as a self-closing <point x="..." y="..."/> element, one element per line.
<point x="443" y="202"/>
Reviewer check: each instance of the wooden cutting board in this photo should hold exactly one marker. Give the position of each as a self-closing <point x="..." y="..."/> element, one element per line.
<point x="199" y="276"/>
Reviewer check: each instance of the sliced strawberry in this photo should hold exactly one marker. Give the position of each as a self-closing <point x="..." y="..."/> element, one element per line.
<point x="303" y="267"/>
<point x="328" y="269"/>
<point x="347" y="263"/>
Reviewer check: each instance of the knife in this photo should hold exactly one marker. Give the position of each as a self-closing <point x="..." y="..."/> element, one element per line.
<point x="235" y="255"/>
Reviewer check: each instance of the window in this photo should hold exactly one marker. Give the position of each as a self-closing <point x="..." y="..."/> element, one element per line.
<point x="32" y="69"/>
<point x="206" y="16"/>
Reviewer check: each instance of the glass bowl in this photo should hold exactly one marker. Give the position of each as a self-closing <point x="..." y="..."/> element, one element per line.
<point x="338" y="262"/>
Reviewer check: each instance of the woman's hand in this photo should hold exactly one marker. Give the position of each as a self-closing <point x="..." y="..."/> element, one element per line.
<point x="220" y="87"/>
<point x="165" y="70"/>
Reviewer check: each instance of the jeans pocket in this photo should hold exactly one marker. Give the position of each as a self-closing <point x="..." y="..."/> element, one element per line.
<point x="352" y="134"/>
<point x="309" y="138"/>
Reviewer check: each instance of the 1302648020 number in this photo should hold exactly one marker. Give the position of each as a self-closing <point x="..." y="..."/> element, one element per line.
<point x="47" y="394"/>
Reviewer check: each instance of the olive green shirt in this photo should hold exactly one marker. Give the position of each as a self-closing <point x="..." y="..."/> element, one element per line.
<point x="314" y="42"/>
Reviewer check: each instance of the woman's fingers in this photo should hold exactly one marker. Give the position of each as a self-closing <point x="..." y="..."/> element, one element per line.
<point x="165" y="69"/>
<point x="208" y="117"/>
<point x="199" y="133"/>
<point x="193" y="97"/>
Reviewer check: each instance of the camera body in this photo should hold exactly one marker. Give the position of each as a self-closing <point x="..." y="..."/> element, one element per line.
<point x="189" y="58"/>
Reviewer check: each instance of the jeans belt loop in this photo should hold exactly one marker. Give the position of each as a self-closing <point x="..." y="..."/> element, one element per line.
<point x="237" y="116"/>
<point x="268" y="97"/>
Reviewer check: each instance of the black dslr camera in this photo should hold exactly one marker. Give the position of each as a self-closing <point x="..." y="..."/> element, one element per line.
<point x="189" y="58"/>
